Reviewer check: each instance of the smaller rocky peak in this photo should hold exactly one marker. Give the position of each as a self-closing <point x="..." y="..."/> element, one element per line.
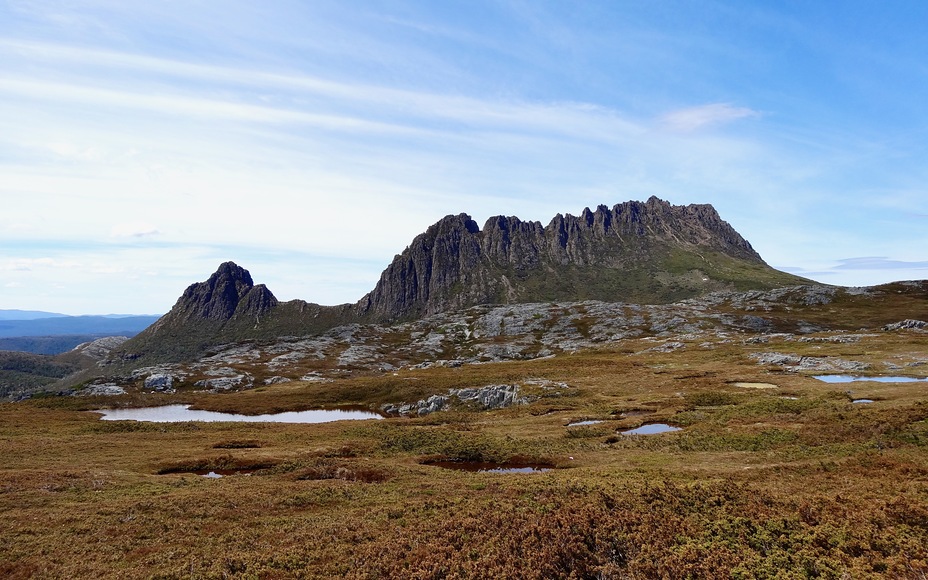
<point x="218" y="297"/>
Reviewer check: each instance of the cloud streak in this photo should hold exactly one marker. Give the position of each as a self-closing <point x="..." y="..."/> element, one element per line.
<point x="692" y="119"/>
<point x="879" y="263"/>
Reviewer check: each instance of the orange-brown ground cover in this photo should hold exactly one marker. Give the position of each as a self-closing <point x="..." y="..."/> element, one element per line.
<point x="755" y="485"/>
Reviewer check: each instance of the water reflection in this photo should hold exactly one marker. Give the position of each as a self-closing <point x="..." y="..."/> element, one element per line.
<point x="852" y="378"/>
<point x="486" y="467"/>
<point x="180" y="413"/>
<point x="651" y="429"/>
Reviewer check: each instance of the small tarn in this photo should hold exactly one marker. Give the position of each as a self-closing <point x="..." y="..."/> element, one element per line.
<point x="182" y="413"/>
<point x="854" y="378"/>
<point x="487" y="467"/>
<point x="652" y="429"/>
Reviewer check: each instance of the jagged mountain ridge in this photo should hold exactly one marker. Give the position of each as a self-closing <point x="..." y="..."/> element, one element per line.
<point x="644" y="252"/>
<point x="631" y="252"/>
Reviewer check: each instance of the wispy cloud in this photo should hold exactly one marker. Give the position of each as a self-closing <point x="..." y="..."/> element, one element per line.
<point x="879" y="263"/>
<point x="357" y="102"/>
<point x="134" y="230"/>
<point x="704" y="116"/>
<point x="30" y="264"/>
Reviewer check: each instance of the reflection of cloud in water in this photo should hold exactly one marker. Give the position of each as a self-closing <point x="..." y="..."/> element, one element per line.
<point x="651" y="429"/>
<point x="853" y="378"/>
<point x="181" y="413"/>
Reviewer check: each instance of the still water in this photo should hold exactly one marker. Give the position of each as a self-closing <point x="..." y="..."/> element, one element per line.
<point x="651" y="429"/>
<point x="852" y="378"/>
<point x="179" y="413"/>
<point x="484" y="467"/>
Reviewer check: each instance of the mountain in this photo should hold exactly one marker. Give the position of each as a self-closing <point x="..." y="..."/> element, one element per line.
<point x="228" y="307"/>
<point x="651" y="252"/>
<point x="642" y="252"/>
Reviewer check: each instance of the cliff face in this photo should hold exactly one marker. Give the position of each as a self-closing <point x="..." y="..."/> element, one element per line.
<point x="646" y="252"/>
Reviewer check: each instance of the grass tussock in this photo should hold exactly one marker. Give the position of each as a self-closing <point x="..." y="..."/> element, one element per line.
<point x="220" y="462"/>
<point x="346" y="470"/>
<point x="238" y="444"/>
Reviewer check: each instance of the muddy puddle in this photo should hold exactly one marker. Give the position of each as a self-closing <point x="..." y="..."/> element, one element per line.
<point x="652" y="429"/>
<point x="486" y="467"/>
<point x="853" y="378"/>
<point x="180" y="413"/>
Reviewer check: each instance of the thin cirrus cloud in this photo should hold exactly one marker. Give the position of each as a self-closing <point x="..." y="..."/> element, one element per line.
<point x="879" y="263"/>
<point x="412" y="108"/>
<point x="134" y="230"/>
<point x="704" y="116"/>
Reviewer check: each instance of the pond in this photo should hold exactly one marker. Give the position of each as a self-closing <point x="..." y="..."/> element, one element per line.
<point x="862" y="401"/>
<point x="587" y="422"/>
<point x="651" y="429"/>
<point x="180" y="413"/>
<point x="852" y="378"/>
<point x="486" y="467"/>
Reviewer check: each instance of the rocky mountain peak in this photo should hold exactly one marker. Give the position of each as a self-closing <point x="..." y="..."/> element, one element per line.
<point x="229" y="291"/>
<point x="623" y="253"/>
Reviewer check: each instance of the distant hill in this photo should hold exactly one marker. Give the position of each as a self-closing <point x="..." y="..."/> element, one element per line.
<point x="23" y="373"/>
<point x="96" y="326"/>
<point x="50" y="345"/>
<point x="27" y="314"/>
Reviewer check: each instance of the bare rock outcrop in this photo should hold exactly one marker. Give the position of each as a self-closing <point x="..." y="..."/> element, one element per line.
<point x="488" y="397"/>
<point x="907" y="324"/>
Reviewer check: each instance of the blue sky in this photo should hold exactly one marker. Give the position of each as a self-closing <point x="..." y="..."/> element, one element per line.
<point x="143" y="143"/>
